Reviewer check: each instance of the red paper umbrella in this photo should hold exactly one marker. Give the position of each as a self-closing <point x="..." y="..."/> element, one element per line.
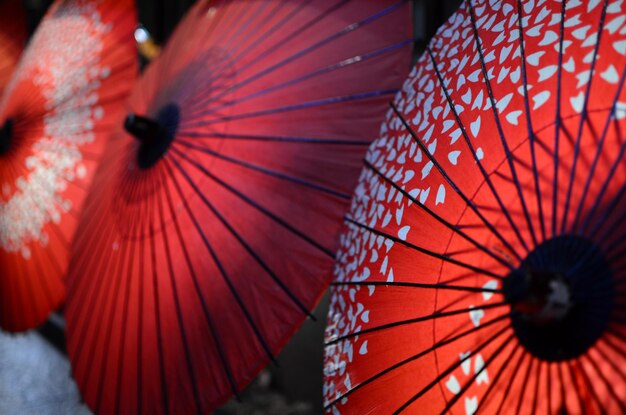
<point x="12" y="38"/>
<point x="62" y="100"/>
<point x="482" y="264"/>
<point x="210" y="234"/>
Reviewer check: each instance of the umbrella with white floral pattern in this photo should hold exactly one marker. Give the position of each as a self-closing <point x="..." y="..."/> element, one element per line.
<point x="482" y="262"/>
<point x="65" y="95"/>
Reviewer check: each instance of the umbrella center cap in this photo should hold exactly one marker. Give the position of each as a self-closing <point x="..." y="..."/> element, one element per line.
<point x="6" y="136"/>
<point x="154" y="135"/>
<point x="561" y="298"/>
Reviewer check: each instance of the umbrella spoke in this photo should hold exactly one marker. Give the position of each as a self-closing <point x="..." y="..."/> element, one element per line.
<point x="473" y="378"/>
<point x="352" y="60"/>
<point x="605" y="382"/>
<point x="367" y="95"/>
<point x="265" y="170"/>
<point x="434" y="316"/>
<point x="417" y="285"/>
<point x="505" y="146"/>
<point x="610" y="117"/>
<point x="273" y="138"/>
<point x="513" y="377"/>
<point x="583" y="117"/>
<point x="268" y="52"/>
<point x="441" y="220"/>
<point x="424" y="251"/>
<point x="483" y="172"/>
<point x="239" y="238"/>
<point x="252" y="203"/>
<point x="453" y="367"/>
<point x="495" y="379"/>
<point x="176" y="295"/>
<point x="218" y="263"/>
<point x="315" y="46"/>
<point x="413" y="358"/>
<point x="529" y="124"/>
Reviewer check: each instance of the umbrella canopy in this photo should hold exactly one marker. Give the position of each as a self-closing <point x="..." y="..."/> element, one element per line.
<point x="215" y="217"/>
<point x="12" y="38"/>
<point x="54" y="119"/>
<point x="482" y="263"/>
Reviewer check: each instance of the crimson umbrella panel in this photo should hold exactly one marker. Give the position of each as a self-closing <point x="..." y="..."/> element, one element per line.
<point x="54" y="120"/>
<point x="212" y="227"/>
<point x="482" y="264"/>
<point x="12" y="38"/>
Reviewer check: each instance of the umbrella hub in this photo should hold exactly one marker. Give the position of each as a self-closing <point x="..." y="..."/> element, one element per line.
<point x="561" y="297"/>
<point x="155" y="136"/>
<point x="6" y="136"/>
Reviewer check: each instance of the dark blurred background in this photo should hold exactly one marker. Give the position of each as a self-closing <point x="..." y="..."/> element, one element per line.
<point x="34" y="372"/>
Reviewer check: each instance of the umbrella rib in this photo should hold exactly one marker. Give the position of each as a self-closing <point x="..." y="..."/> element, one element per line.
<point x="451" y="368"/>
<point x="274" y="138"/>
<point x="218" y="263"/>
<point x="157" y="318"/>
<point x="241" y="241"/>
<point x="602" y="192"/>
<point x="608" y="360"/>
<point x="176" y="298"/>
<point x="254" y="204"/>
<point x="345" y="31"/>
<point x="561" y="383"/>
<point x="443" y="257"/>
<point x="344" y="63"/>
<point x="467" y="385"/>
<point x="424" y="251"/>
<point x="520" y="400"/>
<point x="494" y="108"/>
<point x="295" y="107"/>
<point x="205" y="310"/>
<point x="410" y="359"/>
<point x="540" y="365"/>
<point x="100" y="306"/>
<point x="416" y="285"/>
<point x="421" y="319"/>
<point x="276" y="46"/>
<point x="265" y="170"/>
<point x="531" y="132"/>
<point x="100" y="266"/>
<point x="494" y="381"/>
<point x="452" y="184"/>
<point x="272" y="30"/>
<point x="557" y="122"/>
<point x="568" y="365"/>
<point x="583" y="117"/>
<point x="606" y="214"/>
<point x="507" y="390"/>
<point x="605" y="381"/>
<point x="112" y="303"/>
<point x="467" y="140"/>
<point x="123" y="331"/>
<point x="226" y="43"/>
<point x="599" y="149"/>
<point x="438" y="218"/>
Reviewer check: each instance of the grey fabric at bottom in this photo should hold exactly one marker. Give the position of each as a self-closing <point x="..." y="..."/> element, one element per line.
<point x="35" y="378"/>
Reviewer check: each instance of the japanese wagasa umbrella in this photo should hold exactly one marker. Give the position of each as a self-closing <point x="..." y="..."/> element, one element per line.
<point x="481" y="268"/>
<point x="12" y="38"/>
<point x="54" y="115"/>
<point x="211" y="230"/>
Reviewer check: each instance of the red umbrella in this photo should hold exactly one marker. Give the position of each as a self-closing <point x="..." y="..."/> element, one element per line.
<point x="482" y="263"/>
<point x="12" y="39"/>
<point x="54" y="120"/>
<point x="215" y="225"/>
